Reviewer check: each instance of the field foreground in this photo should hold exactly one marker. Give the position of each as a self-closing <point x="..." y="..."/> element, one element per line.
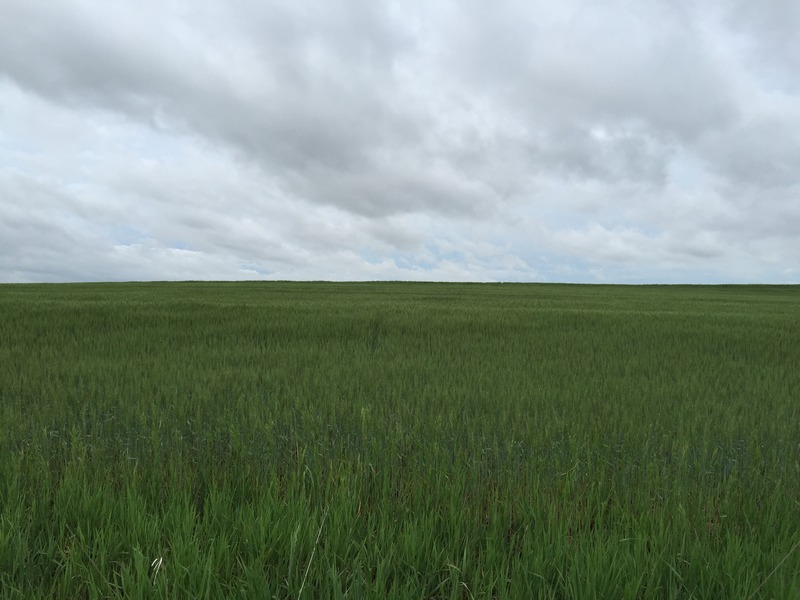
<point x="399" y="440"/>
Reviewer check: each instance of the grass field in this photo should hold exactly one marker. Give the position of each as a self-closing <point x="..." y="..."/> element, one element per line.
<point x="399" y="440"/>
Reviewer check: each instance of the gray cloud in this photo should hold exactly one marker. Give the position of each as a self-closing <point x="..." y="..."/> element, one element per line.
<point x="359" y="139"/>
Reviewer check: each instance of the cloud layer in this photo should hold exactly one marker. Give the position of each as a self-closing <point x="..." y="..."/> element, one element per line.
<point x="650" y="142"/>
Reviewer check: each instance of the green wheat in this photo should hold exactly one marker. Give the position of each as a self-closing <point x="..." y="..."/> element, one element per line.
<point x="399" y="440"/>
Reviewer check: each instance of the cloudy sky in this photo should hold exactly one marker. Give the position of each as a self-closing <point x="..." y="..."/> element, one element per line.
<point x="622" y="141"/>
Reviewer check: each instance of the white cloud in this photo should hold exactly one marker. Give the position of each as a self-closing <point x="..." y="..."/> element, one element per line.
<point x="383" y="140"/>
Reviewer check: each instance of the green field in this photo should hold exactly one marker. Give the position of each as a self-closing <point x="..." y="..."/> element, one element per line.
<point x="399" y="440"/>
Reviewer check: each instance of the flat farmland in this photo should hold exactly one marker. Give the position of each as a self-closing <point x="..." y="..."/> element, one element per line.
<point x="399" y="440"/>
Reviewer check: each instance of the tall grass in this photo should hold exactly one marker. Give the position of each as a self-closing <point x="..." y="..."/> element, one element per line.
<point x="399" y="440"/>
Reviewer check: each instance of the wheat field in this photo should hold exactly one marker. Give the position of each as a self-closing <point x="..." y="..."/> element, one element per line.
<point x="399" y="440"/>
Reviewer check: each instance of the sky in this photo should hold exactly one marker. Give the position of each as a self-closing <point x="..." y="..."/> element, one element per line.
<point x="570" y="141"/>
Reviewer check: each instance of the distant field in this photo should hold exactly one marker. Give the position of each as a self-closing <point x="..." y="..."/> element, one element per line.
<point x="399" y="440"/>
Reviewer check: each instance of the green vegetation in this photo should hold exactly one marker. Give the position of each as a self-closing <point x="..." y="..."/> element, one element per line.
<point x="399" y="440"/>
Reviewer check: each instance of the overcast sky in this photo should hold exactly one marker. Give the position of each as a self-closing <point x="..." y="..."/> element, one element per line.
<point x="621" y="141"/>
